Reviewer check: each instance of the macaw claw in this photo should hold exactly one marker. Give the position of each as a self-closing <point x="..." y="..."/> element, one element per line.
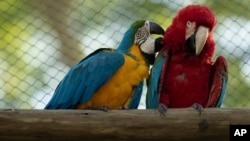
<point x="197" y="107"/>
<point x="123" y="108"/>
<point x="102" y="108"/>
<point x="162" y="108"/>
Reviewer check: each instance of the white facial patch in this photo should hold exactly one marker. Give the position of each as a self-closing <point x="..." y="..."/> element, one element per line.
<point x="148" y="46"/>
<point x="145" y="41"/>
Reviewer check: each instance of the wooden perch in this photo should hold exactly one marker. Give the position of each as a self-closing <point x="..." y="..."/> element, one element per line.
<point x="178" y="124"/>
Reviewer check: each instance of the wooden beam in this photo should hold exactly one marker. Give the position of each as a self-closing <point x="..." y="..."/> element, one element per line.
<point x="178" y="124"/>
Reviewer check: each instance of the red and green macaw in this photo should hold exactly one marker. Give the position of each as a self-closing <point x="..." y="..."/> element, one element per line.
<point x="111" y="78"/>
<point x="184" y="74"/>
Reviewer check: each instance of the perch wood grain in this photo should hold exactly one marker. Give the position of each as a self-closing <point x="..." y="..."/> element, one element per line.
<point x="177" y="124"/>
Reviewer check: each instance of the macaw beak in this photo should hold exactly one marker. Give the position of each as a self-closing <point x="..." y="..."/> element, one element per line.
<point x="155" y="28"/>
<point x="197" y="41"/>
<point x="200" y="38"/>
<point x="158" y="44"/>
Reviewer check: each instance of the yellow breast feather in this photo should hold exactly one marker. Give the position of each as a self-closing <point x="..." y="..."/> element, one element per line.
<point x="117" y="91"/>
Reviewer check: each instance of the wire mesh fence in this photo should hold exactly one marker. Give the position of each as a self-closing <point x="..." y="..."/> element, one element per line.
<point x="42" y="39"/>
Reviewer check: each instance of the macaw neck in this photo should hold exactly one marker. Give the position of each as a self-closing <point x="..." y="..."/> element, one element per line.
<point x="127" y="41"/>
<point x="128" y="47"/>
<point x="136" y="53"/>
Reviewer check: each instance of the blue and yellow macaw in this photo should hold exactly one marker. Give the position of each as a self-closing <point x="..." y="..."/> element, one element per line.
<point x="111" y="78"/>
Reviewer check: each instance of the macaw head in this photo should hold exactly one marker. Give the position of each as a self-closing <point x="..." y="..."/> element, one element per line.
<point x="140" y="34"/>
<point x="191" y="31"/>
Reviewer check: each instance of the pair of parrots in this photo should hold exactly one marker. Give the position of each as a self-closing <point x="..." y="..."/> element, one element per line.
<point x="183" y="73"/>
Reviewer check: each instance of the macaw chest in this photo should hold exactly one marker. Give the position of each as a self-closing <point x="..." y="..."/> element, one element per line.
<point x="187" y="83"/>
<point x="117" y="91"/>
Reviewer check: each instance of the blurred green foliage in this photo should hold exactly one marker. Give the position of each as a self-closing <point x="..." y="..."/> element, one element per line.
<point x="18" y="76"/>
<point x="237" y="91"/>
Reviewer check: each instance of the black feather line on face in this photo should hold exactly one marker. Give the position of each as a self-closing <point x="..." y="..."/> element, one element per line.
<point x="150" y="58"/>
<point x="141" y="36"/>
<point x="158" y="44"/>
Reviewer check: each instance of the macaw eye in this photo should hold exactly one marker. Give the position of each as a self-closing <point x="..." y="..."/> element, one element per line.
<point x="189" y="24"/>
<point x="146" y="24"/>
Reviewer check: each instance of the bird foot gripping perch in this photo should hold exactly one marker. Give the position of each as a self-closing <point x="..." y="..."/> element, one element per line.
<point x="198" y="107"/>
<point x="162" y="108"/>
<point x="101" y="108"/>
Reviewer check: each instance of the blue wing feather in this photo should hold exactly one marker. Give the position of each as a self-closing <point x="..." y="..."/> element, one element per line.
<point x="136" y="96"/>
<point x="84" y="78"/>
<point x="223" y="91"/>
<point x="152" y="98"/>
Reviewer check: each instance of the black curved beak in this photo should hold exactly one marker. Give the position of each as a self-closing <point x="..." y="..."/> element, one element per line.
<point x="158" y="44"/>
<point x="156" y="28"/>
